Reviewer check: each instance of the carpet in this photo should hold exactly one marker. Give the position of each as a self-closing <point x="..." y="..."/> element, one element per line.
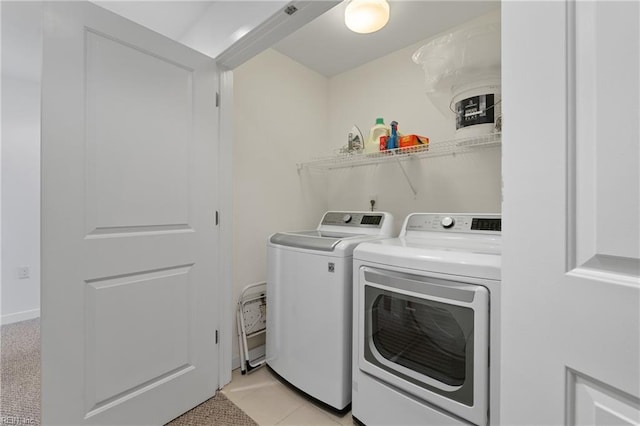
<point x="20" y="373"/>
<point x="20" y="385"/>
<point x="218" y="411"/>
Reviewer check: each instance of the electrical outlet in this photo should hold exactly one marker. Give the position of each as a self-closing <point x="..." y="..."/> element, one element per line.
<point x="23" y="272"/>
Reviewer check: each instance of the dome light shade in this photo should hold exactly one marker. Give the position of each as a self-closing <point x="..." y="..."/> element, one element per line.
<point x="366" y="16"/>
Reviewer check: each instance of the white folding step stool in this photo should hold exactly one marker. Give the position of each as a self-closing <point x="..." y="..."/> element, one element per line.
<point x="252" y="322"/>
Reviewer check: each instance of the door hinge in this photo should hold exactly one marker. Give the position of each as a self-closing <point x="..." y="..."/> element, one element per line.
<point x="216" y="337"/>
<point x="217" y="99"/>
<point x="217" y="218"/>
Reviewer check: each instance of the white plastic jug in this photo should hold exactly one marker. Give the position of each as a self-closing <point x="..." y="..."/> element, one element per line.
<point x="373" y="142"/>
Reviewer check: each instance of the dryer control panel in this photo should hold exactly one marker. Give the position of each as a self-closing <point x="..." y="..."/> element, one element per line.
<point x="454" y="222"/>
<point x="354" y="219"/>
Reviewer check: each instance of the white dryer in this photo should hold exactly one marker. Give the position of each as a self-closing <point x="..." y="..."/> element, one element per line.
<point x="425" y="338"/>
<point x="309" y="294"/>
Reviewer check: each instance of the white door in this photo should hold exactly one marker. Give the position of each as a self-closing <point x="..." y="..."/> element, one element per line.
<point x="129" y="238"/>
<point x="571" y="231"/>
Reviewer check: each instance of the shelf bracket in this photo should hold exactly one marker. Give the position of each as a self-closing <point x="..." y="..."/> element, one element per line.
<point x="406" y="176"/>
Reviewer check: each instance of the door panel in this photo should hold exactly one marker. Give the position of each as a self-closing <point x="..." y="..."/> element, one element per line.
<point x="605" y="169"/>
<point x="129" y="242"/>
<point x="604" y="246"/>
<point x="600" y="405"/>
<point x="151" y="184"/>
<point x="571" y="248"/>
<point x="129" y="343"/>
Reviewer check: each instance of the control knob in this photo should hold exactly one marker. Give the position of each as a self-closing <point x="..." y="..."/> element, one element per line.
<point x="346" y="218"/>
<point x="447" y="222"/>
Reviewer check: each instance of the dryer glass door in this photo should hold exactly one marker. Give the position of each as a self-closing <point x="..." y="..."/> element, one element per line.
<point x="432" y="339"/>
<point x="426" y="335"/>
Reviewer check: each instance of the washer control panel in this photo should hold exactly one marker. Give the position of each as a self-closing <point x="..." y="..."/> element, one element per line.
<point x="354" y="219"/>
<point x="452" y="222"/>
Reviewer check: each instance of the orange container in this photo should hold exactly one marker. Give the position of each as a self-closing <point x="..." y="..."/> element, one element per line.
<point x="412" y="140"/>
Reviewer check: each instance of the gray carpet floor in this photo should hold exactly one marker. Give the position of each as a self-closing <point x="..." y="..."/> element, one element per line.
<point x="20" y="373"/>
<point x="20" y="385"/>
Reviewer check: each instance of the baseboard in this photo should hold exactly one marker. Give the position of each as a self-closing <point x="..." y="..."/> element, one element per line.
<point x="20" y="316"/>
<point x="253" y="354"/>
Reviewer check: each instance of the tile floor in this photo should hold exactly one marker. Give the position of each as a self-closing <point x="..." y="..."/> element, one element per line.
<point x="270" y="402"/>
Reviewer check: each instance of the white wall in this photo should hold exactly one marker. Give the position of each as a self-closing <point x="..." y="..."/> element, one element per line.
<point x="20" y="198"/>
<point x="280" y="118"/>
<point x="1" y="269"/>
<point x="20" y="159"/>
<point x="392" y="87"/>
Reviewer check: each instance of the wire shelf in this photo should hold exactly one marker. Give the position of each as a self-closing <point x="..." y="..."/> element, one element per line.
<point x="433" y="149"/>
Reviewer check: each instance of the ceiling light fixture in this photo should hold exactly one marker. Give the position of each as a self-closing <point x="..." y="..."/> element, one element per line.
<point x="366" y="16"/>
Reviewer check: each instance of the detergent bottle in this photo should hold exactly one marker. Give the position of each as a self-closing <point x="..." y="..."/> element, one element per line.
<point x="392" y="143"/>
<point x="373" y="143"/>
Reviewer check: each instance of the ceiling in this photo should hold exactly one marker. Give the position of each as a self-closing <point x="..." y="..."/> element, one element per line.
<point x="328" y="47"/>
<point x="324" y="45"/>
<point x="170" y="18"/>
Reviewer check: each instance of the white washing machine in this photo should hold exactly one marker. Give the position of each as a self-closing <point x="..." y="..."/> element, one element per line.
<point x="426" y="337"/>
<point x="309" y="294"/>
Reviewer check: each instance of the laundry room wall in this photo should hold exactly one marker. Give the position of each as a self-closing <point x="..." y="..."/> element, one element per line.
<point x="280" y="118"/>
<point x="393" y="87"/>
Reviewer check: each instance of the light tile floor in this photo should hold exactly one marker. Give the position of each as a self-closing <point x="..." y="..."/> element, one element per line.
<point x="270" y="402"/>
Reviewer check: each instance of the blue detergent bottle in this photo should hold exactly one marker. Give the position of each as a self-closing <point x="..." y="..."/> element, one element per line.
<point x="392" y="143"/>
